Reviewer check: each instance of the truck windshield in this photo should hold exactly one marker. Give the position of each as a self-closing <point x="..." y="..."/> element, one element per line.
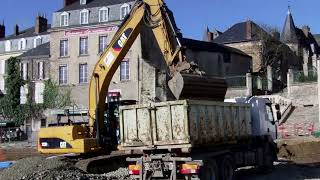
<point x="270" y="114"/>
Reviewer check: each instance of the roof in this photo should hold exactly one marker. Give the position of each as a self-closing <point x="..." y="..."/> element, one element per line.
<point x="41" y="50"/>
<point x="210" y="47"/>
<point x="292" y="34"/>
<point x="238" y="33"/>
<point x="93" y="3"/>
<point x="289" y="34"/>
<point x="30" y="32"/>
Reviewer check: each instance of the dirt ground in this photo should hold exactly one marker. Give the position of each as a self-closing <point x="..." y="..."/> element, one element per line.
<point x="16" y="151"/>
<point x="299" y="160"/>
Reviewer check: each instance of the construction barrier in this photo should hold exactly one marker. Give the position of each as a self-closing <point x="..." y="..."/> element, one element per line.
<point x="288" y="130"/>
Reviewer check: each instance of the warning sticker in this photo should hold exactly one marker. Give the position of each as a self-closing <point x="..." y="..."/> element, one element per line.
<point x="109" y="58"/>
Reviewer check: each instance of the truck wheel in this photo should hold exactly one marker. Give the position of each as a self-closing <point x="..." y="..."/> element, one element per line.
<point x="209" y="171"/>
<point x="227" y="168"/>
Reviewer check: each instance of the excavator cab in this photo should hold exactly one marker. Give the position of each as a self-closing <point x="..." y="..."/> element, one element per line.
<point x="185" y="81"/>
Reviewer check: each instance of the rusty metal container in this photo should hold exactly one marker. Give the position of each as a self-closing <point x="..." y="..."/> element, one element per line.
<point x="183" y="124"/>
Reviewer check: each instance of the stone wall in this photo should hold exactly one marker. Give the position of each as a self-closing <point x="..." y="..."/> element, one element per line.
<point x="236" y="92"/>
<point x="253" y="49"/>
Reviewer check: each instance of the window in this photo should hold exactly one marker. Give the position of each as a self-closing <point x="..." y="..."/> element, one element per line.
<point x="24" y="71"/>
<point x="64" y="48"/>
<point x="124" y="11"/>
<point x="8" y="46"/>
<point x="23" y="94"/>
<point x="2" y="84"/>
<point x="83" y="49"/>
<point x="84" y="17"/>
<point x="83" y="73"/>
<point x="40" y="70"/>
<point x="2" y="67"/>
<point x="63" y="74"/>
<point x="43" y="123"/>
<point x="64" y="19"/>
<point x="124" y="70"/>
<point x="102" y="43"/>
<point x="83" y="2"/>
<point x="38" y="94"/>
<point x="103" y="14"/>
<point x="22" y="44"/>
<point x="227" y="57"/>
<point x="37" y="41"/>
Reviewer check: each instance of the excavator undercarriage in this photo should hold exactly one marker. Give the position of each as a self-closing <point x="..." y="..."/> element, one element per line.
<point x="186" y="81"/>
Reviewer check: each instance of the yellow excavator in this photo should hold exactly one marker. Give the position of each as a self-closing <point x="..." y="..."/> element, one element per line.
<point x="152" y="14"/>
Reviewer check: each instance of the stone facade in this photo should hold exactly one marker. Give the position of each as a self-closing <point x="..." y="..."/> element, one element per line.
<point x="255" y="41"/>
<point x="302" y="42"/>
<point x="20" y="42"/>
<point x="147" y="68"/>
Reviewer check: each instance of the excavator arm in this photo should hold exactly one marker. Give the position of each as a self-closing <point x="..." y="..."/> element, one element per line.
<point x="147" y="13"/>
<point x="150" y="13"/>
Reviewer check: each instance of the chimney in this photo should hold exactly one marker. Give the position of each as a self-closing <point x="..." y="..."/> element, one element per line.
<point x="306" y="30"/>
<point x="68" y="2"/>
<point x="16" y="30"/>
<point x="249" y="30"/>
<point x="2" y="31"/>
<point x="275" y="35"/>
<point x="41" y="24"/>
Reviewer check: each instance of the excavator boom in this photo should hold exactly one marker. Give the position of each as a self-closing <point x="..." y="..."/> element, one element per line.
<point x="147" y="13"/>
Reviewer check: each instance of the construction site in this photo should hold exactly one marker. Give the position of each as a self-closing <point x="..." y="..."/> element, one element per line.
<point x="114" y="90"/>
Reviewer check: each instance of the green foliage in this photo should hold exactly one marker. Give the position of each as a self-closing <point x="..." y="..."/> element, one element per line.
<point x="10" y="107"/>
<point x="10" y="103"/>
<point x="55" y="97"/>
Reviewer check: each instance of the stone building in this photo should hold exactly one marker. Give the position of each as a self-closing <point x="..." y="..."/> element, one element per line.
<point x="209" y="36"/>
<point x="19" y="42"/>
<point x="302" y="42"/>
<point x="255" y="41"/>
<point x="37" y="62"/>
<point x="81" y="30"/>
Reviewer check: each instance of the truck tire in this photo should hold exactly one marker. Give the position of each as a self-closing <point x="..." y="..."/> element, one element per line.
<point x="209" y="171"/>
<point x="227" y="168"/>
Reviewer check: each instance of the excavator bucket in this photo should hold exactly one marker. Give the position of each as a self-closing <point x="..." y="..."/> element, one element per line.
<point x="191" y="86"/>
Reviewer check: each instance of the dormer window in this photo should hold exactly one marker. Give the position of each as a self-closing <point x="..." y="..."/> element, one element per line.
<point x="22" y="44"/>
<point x="8" y="46"/>
<point x="84" y="16"/>
<point x="64" y="19"/>
<point x="37" y="41"/>
<point x="104" y="14"/>
<point x="124" y="11"/>
<point x="83" y="2"/>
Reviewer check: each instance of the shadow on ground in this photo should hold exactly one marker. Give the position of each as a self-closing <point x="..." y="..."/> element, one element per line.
<point x="282" y="171"/>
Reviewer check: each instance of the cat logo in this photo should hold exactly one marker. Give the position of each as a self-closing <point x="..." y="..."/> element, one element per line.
<point x="122" y="40"/>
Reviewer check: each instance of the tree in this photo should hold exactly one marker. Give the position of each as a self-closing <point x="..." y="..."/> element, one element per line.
<point x="55" y="97"/>
<point x="10" y="103"/>
<point x="274" y="53"/>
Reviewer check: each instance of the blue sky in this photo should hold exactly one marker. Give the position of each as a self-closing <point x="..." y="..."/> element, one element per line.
<point x="192" y="16"/>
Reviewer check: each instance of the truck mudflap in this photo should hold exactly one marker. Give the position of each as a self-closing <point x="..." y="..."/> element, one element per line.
<point x="164" y="166"/>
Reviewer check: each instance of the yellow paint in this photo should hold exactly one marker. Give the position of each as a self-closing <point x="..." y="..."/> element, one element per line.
<point x="105" y="68"/>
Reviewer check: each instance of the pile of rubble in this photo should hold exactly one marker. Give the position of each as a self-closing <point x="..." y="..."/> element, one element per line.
<point x="56" y="168"/>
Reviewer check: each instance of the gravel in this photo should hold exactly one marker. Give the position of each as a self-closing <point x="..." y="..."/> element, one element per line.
<point x="38" y="168"/>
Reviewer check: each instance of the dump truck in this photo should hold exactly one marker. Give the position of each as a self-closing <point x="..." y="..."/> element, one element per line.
<point x="196" y="139"/>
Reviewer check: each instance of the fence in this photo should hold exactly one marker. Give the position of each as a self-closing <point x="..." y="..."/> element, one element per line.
<point x="302" y="77"/>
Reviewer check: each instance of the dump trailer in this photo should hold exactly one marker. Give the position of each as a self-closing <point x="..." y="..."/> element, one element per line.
<point x="193" y="139"/>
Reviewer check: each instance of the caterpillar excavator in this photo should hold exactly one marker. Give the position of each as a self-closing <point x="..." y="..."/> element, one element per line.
<point x="183" y="83"/>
